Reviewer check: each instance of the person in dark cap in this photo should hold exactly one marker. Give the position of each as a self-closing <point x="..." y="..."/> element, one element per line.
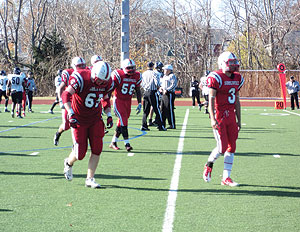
<point x="150" y="84"/>
<point x="293" y="87"/>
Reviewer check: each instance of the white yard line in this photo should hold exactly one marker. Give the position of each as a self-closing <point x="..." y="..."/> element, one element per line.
<point x="291" y="112"/>
<point x="170" y="210"/>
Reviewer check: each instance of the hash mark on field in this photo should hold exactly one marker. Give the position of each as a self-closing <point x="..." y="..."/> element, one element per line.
<point x="273" y="124"/>
<point x="130" y="154"/>
<point x="34" y="153"/>
<point x="170" y="210"/>
<point x="276" y="156"/>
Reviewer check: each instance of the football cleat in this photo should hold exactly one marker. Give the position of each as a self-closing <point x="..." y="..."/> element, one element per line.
<point x="144" y="128"/>
<point x="162" y="128"/>
<point x="228" y="181"/>
<point x="114" y="146"/>
<point x="56" y="138"/>
<point x="12" y="114"/>
<point x="90" y="182"/>
<point x="6" y="110"/>
<point x="23" y="114"/>
<point x="128" y="147"/>
<point x="68" y="170"/>
<point x="207" y="173"/>
<point x="19" y="116"/>
<point x="50" y="112"/>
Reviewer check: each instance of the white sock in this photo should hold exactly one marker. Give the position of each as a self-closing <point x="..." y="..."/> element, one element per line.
<point x="214" y="155"/>
<point x="114" y="139"/>
<point x="126" y="141"/>
<point x="228" y="162"/>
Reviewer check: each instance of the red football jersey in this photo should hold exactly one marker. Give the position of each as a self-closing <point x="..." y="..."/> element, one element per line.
<point x="86" y="102"/>
<point x="226" y="87"/>
<point x="125" y="84"/>
<point x="65" y="76"/>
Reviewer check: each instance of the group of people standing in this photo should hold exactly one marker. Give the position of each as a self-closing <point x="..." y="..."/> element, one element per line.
<point x="159" y="84"/>
<point x="21" y="89"/>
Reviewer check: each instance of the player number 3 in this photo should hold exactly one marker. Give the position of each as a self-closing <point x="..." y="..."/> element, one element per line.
<point x="231" y="98"/>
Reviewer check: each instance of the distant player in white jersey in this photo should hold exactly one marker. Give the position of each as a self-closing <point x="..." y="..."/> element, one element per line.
<point x="3" y="83"/>
<point x="15" y="88"/>
<point x="205" y="90"/>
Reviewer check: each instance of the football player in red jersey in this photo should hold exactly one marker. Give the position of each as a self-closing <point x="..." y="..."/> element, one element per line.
<point x="64" y="126"/>
<point x="225" y="114"/>
<point x="82" y="102"/>
<point x="127" y="81"/>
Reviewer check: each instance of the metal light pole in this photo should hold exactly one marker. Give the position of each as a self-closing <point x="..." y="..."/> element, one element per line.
<point x="125" y="30"/>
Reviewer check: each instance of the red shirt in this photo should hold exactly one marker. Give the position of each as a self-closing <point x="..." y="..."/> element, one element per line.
<point x="226" y="87"/>
<point x="86" y="102"/>
<point x="125" y="84"/>
<point x="65" y="76"/>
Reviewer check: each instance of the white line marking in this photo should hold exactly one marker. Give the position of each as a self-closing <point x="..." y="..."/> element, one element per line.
<point x="34" y="153"/>
<point x="130" y="154"/>
<point x="273" y="124"/>
<point x="276" y="156"/>
<point x="170" y="210"/>
<point x="291" y="112"/>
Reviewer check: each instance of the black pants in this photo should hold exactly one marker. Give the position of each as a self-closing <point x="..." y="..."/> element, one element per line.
<point x="196" y="94"/>
<point x="167" y="109"/>
<point x="3" y="93"/>
<point x="294" y="97"/>
<point x="29" y="98"/>
<point x="151" y="99"/>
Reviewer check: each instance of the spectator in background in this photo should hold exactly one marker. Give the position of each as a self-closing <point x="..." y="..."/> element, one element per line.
<point x="3" y="83"/>
<point x="205" y="90"/>
<point x="57" y="82"/>
<point x="293" y="88"/>
<point x="195" y="93"/>
<point x="29" y="90"/>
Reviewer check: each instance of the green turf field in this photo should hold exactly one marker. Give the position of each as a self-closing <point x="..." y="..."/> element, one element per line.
<point x="34" y="195"/>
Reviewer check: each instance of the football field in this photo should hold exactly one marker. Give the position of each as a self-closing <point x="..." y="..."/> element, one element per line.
<point x="158" y="186"/>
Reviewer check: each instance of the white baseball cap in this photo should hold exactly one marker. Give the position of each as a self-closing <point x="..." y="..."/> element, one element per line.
<point x="168" y="66"/>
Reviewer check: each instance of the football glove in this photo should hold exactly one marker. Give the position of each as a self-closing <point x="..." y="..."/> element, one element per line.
<point x="109" y="122"/>
<point x="73" y="120"/>
<point x="138" y="108"/>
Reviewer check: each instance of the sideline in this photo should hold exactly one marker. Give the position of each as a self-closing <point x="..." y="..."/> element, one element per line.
<point x="170" y="210"/>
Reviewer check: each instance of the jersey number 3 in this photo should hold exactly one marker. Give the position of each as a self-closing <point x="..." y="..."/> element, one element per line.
<point x="231" y="97"/>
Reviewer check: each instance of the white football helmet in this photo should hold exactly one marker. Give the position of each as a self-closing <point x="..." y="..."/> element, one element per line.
<point x="228" y="62"/>
<point x="78" y="62"/>
<point x="128" y="66"/>
<point x="101" y="70"/>
<point x="95" y="59"/>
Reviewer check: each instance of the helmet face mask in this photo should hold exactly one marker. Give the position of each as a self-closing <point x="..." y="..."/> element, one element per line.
<point x="17" y="70"/>
<point x="128" y="66"/>
<point x="100" y="73"/>
<point x="158" y="66"/>
<point x="228" y="62"/>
